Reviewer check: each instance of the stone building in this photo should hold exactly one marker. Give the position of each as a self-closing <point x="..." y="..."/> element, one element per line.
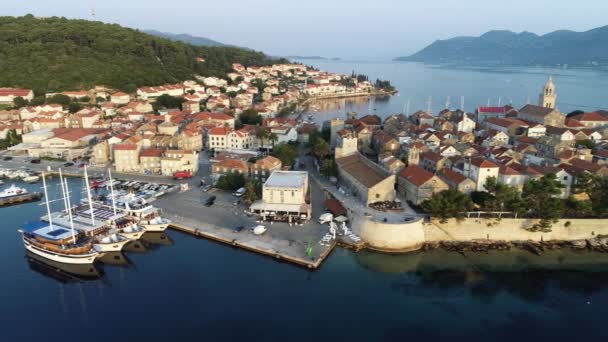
<point x="416" y="184"/>
<point x="368" y="181"/>
<point x="547" y="97"/>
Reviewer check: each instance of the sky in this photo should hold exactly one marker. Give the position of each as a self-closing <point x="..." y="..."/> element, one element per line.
<point x="349" y="29"/>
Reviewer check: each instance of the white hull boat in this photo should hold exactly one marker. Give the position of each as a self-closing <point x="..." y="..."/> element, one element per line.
<point x="259" y="230"/>
<point x="157" y="224"/>
<point x="113" y="243"/>
<point x="132" y="232"/>
<point x="87" y="258"/>
<point x="31" y="179"/>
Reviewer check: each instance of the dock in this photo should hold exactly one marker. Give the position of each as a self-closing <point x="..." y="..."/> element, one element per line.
<point x="31" y="197"/>
<point x="283" y="250"/>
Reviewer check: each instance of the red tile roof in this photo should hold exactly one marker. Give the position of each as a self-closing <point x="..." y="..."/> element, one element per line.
<point x="592" y="116"/>
<point x="483" y="163"/>
<point x="416" y="175"/>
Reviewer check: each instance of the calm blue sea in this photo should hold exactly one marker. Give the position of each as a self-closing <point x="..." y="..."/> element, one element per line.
<point x="175" y="287"/>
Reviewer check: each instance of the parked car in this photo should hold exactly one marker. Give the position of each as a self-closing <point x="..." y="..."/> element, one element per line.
<point x="209" y="201"/>
<point x="81" y="165"/>
<point x="7" y="158"/>
<point x="35" y="161"/>
<point x="206" y="188"/>
<point x="238" y="229"/>
<point x="68" y="164"/>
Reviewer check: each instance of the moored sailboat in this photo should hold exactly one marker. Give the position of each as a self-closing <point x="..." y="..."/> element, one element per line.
<point x="55" y="242"/>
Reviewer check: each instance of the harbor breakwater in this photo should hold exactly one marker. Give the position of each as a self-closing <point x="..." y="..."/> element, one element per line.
<point x="482" y="234"/>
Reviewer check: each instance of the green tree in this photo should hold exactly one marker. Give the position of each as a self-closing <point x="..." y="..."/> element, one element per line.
<point x="540" y="197"/>
<point x="232" y="94"/>
<point x="329" y="168"/>
<point x="272" y="137"/>
<point x="231" y="181"/>
<point x="447" y="204"/>
<point x="597" y="189"/>
<point x="261" y="133"/>
<point x="286" y="153"/>
<point x="250" y="117"/>
<point x="168" y="101"/>
<point x="19" y="102"/>
<point x="61" y="99"/>
<point x="74" y="107"/>
<point x="504" y="197"/>
<point x="253" y="191"/>
<point x="321" y="149"/>
<point x="38" y="101"/>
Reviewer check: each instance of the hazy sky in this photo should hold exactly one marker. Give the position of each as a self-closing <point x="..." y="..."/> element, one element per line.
<point x="372" y="29"/>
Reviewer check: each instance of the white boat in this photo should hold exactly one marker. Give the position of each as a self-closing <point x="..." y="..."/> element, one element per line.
<point x="110" y="243"/>
<point x="259" y="230"/>
<point x="129" y="229"/>
<point x="55" y="242"/>
<point x="13" y="191"/>
<point x="49" y="244"/>
<point x="31" y="179"/>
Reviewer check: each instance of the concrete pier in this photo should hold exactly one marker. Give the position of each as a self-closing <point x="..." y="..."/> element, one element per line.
<point x="290" y="251"/>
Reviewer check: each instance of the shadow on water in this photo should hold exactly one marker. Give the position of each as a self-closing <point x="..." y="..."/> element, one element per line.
<point x="485" y="275"/>
<point x="64" y="273"/>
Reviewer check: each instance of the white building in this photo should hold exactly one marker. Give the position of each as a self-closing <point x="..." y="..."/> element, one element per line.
<point x="284" y="197"/>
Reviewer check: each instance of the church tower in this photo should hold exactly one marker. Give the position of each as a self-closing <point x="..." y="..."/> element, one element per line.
<point x="548" y="97"/>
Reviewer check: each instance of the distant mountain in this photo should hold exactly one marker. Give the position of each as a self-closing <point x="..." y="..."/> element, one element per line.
<point x="589" y="48"/>
<point x="185" y="38"/>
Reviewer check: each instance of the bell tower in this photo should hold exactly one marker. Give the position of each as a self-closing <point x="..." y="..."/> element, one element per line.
<point x="548" y="97"/>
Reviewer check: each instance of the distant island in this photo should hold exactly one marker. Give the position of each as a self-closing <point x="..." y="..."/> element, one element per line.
<point x="563" y="48"/>
<point x="314" y="58"/>
<point x="185" y="38"/>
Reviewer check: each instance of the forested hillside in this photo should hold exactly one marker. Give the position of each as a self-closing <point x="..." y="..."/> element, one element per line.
<point x="55" y="54"/>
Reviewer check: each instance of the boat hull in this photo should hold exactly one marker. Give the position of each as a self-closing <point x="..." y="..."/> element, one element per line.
<point x="132" y="235"/>
<point x="158" y="227"/>
<point x="111" y="247"/>
<point x="78" y="259"/>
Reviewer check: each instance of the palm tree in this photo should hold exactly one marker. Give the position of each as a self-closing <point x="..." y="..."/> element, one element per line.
<point x="273" y="138"/>
<point x="261" y="133"/>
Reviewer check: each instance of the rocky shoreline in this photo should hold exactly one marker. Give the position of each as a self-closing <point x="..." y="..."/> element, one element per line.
<point x="597" y="244"/>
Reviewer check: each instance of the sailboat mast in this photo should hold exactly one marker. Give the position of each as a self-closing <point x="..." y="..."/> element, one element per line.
<point x="46" y="197"/>
<point x="65" y="202"/>
<point x="86" y="183"/>
<point x="67" y="195"/>
<point x="112" y="191"/>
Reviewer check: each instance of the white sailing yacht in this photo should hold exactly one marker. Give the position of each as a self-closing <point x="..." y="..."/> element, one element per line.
<point x="58" y="243"/>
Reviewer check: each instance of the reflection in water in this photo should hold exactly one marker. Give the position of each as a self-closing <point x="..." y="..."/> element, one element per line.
<point x="115" y="259"/>
<point x="485" y="275"/>
<point x="137" y="246"/>
<point x="64" y="273"/>
<point x="157" y="238"/>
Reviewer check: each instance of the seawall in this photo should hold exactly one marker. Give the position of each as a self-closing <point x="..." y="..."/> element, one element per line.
<point x="413" y="235"/>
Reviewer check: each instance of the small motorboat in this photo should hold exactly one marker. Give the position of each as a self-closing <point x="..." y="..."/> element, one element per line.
<point x="259" y="230"/>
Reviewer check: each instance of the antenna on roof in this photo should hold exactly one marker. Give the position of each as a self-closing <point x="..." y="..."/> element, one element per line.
<point x="488" y="102"/>
<point x="499" y="100"/>
<point x="447" y="103"/>
<point x="408" y="108"/>
<point x="462" y="103"/>
<point x="429" y="103"/>
<point x="528" y="100"/>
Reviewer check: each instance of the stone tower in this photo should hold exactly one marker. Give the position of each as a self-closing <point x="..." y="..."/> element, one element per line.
<point x="548" y="97"/>
<point x="335" y="125"/>
<point x="346" y="143"/>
